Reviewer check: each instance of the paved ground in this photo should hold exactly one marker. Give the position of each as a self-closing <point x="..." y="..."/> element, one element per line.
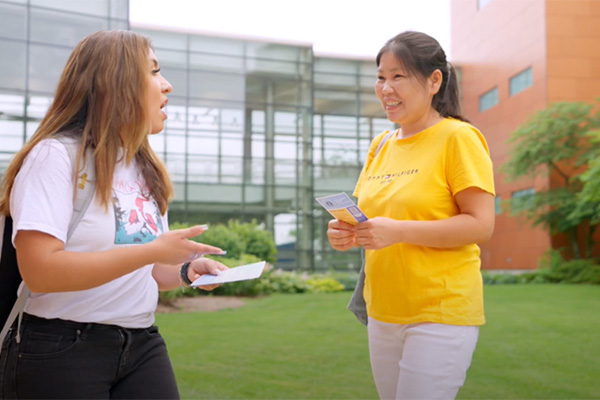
<point x="201" y="303"/>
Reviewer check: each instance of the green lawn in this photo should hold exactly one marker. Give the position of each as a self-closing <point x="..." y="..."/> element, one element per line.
<point x="540" y="342"/>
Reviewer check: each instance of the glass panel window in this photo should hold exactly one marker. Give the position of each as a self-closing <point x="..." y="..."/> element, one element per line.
<point x="203" y="145"/>
<point x="285" y="148"/>
<point x="157" y="142"/>
<point x="232" y="120"/>
<point x="12" y="68"/>
<point x="524" y="196"/>
<point x="335" y="103"/>
<point x="272" y="51"/>
<point x="94" y="7"/>
<point x="212" y="62"/>
<point x="258" y="146"/>
<point x="285" y="122"/>
<point x="171" y="58"/>
<point x="520" y="82"/>
<point x="38" y="106"/>
<point x="339" y="151"/>
<point x="211" y="85"/>
<point x="256" y="65"/>
<point x="165" y="40"/>
<point x="488" y="100"/>
<point x="522" y="193"/>
<point x="232" y="147"/>
<point x="61" y="28"/>
<point x="13" y="21"/>
<point x="11" y="106"/>
<point x="285" y="92"/>
<point x="31" y="127"/>
<point x="118" y="24"/>
<point x="337" y="80"/>
<point x="286" y="172"/>
<point x="176" y="142"/>
<point x="119" y="9"/>
<point x="176" y="77"/>
<point x="216" y="45"/>
<point x="337" y="66"/>
<point x="11" y="135"/>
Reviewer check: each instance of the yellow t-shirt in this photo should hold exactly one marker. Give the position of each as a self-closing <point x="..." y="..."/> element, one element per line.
<point x="416" y="178"/>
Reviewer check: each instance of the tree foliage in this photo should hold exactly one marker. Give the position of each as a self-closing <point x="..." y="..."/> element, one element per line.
<point x="559" y="141"/>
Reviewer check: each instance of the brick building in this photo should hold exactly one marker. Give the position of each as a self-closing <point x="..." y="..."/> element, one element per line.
<point x="515" y="58"/>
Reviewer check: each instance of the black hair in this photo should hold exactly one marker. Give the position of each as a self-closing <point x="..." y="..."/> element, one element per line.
<point x="421" y="54"/>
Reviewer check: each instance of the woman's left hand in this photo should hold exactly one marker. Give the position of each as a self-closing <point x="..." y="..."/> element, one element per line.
<point x="202" y="266"/>
<point x="376" y="233"/>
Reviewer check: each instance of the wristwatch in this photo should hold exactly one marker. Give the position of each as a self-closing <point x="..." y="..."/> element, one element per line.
<point x="183" y="273"/>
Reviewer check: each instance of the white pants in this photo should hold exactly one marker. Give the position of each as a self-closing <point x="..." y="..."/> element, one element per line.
<point x="420" y="361"/>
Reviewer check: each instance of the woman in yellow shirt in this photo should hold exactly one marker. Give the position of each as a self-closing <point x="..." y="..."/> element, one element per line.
<point x="428" y="192"/>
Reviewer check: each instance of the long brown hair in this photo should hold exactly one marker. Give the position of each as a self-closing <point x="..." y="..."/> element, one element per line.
<point x="421" y="54"/>
<point x="100" y="97"/>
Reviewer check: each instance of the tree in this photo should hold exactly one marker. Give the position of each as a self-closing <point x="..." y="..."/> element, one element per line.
<point x="590" y="191"/>
<point x="556" y="142"/>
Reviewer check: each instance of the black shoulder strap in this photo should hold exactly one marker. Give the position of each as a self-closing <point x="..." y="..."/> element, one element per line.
<point x="10" y="278"/>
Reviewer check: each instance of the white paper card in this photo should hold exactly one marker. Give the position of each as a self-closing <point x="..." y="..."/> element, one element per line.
<point x="241" y="273"/>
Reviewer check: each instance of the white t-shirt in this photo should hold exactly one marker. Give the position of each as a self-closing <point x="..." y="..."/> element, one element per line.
<point x="42" y="200"/>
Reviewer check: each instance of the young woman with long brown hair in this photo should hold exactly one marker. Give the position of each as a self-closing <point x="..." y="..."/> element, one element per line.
<point x="87" y="330"/>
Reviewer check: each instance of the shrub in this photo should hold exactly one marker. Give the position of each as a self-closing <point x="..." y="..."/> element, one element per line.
<point x="224" y="238"/>
<point x="237" y="239"/>
<point x="258" y="241"/>
<point x="324" y="285"/>
<point x="552" y="268"/>
<point x="347" y="279"/>
<point x="286" y="282"/>
<point x="574" y="271"/>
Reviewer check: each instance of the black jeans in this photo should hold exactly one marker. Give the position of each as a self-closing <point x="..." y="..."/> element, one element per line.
<point x="61" y="359"/>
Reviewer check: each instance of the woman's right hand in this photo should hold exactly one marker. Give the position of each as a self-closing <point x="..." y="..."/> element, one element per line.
<point x="175" y="247"/>
<point x="341" y="235"/>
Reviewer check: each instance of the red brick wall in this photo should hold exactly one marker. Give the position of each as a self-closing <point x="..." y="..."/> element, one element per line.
<point x="573" y="50"/>
<point x="490" y="46"/>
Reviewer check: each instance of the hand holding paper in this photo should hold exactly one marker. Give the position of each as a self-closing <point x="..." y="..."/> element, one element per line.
<point x="242" y="273"/>
<point x="342" y="208"/>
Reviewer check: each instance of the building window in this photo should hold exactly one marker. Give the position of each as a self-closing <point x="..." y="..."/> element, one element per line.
<point x="524" y="196"/>
<point x="520" y="82"/>
<point x="482" y="3"/>
<point x="497" y="205"/>
<point x="488" y="99"/>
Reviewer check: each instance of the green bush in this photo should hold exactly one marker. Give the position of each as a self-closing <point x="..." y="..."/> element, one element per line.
<point x="347" y="279"/>
<point x="552" y="268"/>
<point x="574" y="271"/>
<point x="258" y="241"/>
<point x="237" y="239"/>
<point x="323" y="285"/>
<point x="492" y="278"/>
<point x="224" y="238"/>
<point x="280" y="281"/>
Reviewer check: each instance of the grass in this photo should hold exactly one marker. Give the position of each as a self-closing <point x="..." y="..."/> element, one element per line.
<point x="540" y="342"/>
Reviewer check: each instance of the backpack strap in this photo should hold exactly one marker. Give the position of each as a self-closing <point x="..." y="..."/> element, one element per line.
<point x="382" y="142"/>
<point x="357" y="301"/>
<point x="86" y="185"/>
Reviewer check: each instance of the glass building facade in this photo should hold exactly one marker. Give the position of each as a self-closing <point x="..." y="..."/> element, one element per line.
<point x="255" y="131"/>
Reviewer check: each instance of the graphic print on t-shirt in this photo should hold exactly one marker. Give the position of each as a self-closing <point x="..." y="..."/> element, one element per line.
<point x="137" y="219"/>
